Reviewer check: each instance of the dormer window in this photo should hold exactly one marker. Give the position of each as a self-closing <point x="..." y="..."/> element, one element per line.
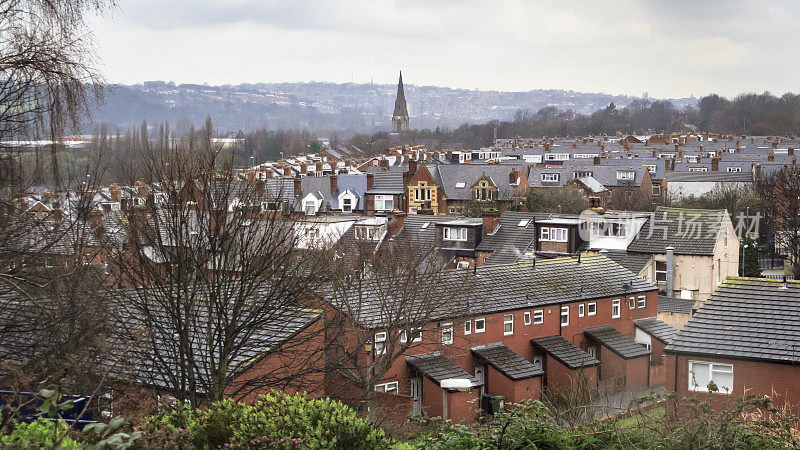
<point x="454" y="234"/>
<point x="698" y="169"/>
<point x="626" y="174"/>
<point x="550" y="177"/>
<point x="368" y="233"/>
<point x="652" y="168"/>
<point x="347" y="204"/>
<point x="734" y="169"/>
<point x="310" y="207"/>
<point x="582" y="174"/>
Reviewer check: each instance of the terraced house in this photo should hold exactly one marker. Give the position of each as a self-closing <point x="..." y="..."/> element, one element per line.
<point x="518" y="329"/>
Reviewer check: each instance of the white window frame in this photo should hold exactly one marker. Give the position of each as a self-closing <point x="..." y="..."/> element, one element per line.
<point x="652" y="168"/>
<point x="310" y="207"/>
<point x="626" y="175"/>
<point x="454" y="234"/>
<point x="391" y="387"/>
<point x="656" y="272"/>
<point x="349" y="202"/>
<point x="591" y="310"/>
<point x="641" y="302"/>
<point x="447" y="330"/>
<point x="508" y="319"/>
<point x="712" y="367"/>
<point x="468" y="327"/>
<point x="656" y="189"/>
<point x="526" y="318"/>
<point x="538" y="317"/>
<point x="631" y="302"/>
<point x="581" y="310"/>
<point x="734" y="169"/>
<point x="482" y="329"/>
<point x="380" y="337"/>
<point x="544" y="234"/>
<point x="616" y="305"/>
<point x="564" y="314"/>
<point x="551" y="177"/>
<point x="558" y="234"/>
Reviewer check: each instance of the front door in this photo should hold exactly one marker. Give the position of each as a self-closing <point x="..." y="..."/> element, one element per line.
<point x="416" y="394"/>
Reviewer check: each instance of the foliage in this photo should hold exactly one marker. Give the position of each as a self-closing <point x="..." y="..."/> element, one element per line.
<point x="110" y="435"/>
<point x="39" y="434"/>
<point x="566" y="200"/>
<point x="751" y="266"/>
<point x="275" y="420"/>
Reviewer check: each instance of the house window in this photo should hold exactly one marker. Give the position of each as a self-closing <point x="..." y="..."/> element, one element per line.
<point x="480" y="325"/>
<point x="553" y="234"/>
<point x="609" y="229"/>
<point x="422" y="194"/>
<point x="380" y="343"/>
<point x="582" y="174"/>
<point x="651" y="168"/>
<point x="384" y="203"/>
<point x="526" y="318"/>
<point x="626" y="174"/>
<point x="661" y="271"/>
<point x="347" y="204"/>
<point x="311" y="208"/>
<point x="550" y="177"/>
<point x="390" y="388"/>
<point x="701" y="373"/>
<point x="592" y="307"/>
<point x="656" y="189"/>
<point x="564" y="316"/>
<point x="581" y="310"/>
<point x="718" y="271"/>
<point x="642" y="301"/>
<point x="538" y="317"/>
<point x="467" y="327"/>
<point x="447" y="333"/>
<point x="508" y="324"/>
<point x="698" y="169"/>
<point x="632" y="303"/>
<point x="615" y="309"/>
<point x="734" y="169"/>
<point x="454" y="234"/>
<point x="367" y="233"/>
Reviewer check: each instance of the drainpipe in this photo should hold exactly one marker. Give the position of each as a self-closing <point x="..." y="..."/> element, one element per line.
<point x="670" y="270"/>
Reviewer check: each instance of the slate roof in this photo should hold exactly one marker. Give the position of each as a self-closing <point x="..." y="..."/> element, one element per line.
<point x="388" y="183"/>
<point x="617" y="342"/>
<point x="710" y="176"/>
<point x="438" y="368"/>
<point x="357" y="184"/>
<point x="510" y="242"/>
<point x="675" y="305"/>
<point x="746" y="318"/>
<point x="469" y="174"/>
<point x="657" y="328"/>
<point x="497" y="288"/>
<point x="507" y="361"/>
<point x="634" y="262"/>
<point x="415" y="231"/>
<point x="565" y="352"/>
<point x="688" y="231"/>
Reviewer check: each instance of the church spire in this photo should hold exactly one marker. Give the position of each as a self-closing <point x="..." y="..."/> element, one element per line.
<point x="400" y="116"/>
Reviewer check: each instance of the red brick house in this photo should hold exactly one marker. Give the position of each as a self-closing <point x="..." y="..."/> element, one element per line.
<point x="744" y="339"/>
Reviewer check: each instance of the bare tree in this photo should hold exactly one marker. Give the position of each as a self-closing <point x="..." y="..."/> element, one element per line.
<point x="384" y="302"/>
<point x="780" y="226"/>
<point x="211" y="278"/>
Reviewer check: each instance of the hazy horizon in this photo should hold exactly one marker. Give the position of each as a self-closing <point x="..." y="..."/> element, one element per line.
<point x="669" y="50"/>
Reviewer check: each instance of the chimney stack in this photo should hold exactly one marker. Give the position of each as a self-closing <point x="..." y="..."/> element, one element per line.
<point x="298" y="186"/>
<point x="771" y="156"/>
<point x="334" y="183"/>
<point x="670" y="271"/>
<point x="756" y="172"/>
<point x="370" y="181"/>
<point x="790" y="151"/>
<point x="596" y="160"/>
<point x="715" y="164"/>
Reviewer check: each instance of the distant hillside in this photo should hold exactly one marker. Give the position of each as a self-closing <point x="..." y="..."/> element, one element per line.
<point x="329" y="107"/>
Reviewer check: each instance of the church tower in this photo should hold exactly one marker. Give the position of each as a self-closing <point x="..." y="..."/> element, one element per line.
<point x="400" y="116"/>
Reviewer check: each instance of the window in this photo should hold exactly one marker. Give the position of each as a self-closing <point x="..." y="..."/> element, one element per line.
<point x="311" y="208"/>
<point x="347" y="204"/>
<point x="416" y="334"/>
<point x="390" y="388"/>
<point x="608" y="229"/>
<point x="380" y="343"/>
<point x="651" y="168"/>
<point x="461" y="185"/>
<point x="526" y="318"/>
<point x="467" y="327"/>
<point x="592" y="309"/>
<point x="558" y="234"/>
<point x="626" y="174"/>
<point x="422" y="194"/>
<point x="661" y="271"/>
<point x="582" y="174"/>
<point x="656" y="189"/>
<point x="718" y="271"/>
<point x="701" y="373"/>
<point x="480" y="325"/>
<point x="384" y="203"/>
<point x="632" y="303"/>
<point x="368" y="233"/>
<point x="447" y="333"/>
<point x="615" y="309"/>
<point x="698" y="169"/>
<point x="642" y="302"/>
<point x="454" y="234"/>
<point x="523" y="223"/>
<point x="564" y="316"/>
<point x="508" y="324"/>
<point x="550" y="177"/>
<point x="581" y="310"/>
<point x="544" y="234"/>
<point x="734" y="169"/>
<point x="538" y="317"/>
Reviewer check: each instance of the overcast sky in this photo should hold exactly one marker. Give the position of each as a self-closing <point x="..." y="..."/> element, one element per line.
<point x="672" y="48"/>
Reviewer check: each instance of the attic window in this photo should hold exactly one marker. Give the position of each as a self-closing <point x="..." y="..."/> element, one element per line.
<point x="626" y="175"/>
<point x="461" y="185"/>
<point x="523" y="223"/>
<point x="425" y="225"/>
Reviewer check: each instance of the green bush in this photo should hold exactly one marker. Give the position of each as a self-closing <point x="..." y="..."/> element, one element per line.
<point x="39" y="434"/>
<point x="275" y="420"/>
